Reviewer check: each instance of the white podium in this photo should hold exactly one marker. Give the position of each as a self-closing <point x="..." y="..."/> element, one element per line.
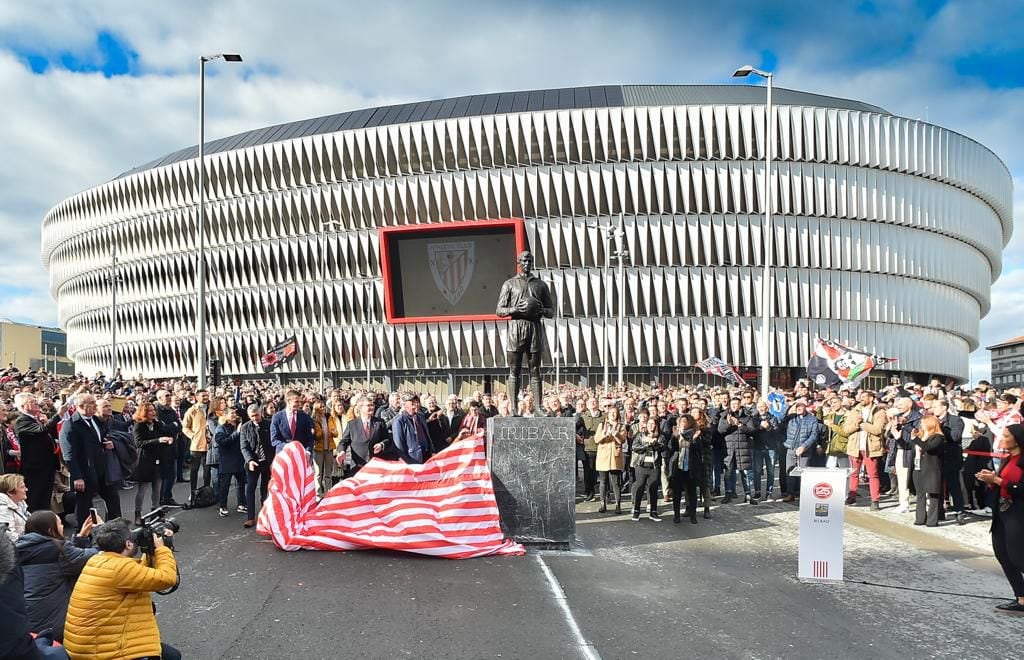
<point x="822" y="502"/>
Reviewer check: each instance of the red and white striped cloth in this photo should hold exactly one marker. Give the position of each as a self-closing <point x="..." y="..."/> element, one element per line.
<point x="444" y="508"/>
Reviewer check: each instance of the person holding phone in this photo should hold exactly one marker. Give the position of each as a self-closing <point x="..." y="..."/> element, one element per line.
<point x="1007" y="483"/>
<point x="51" y="565"/>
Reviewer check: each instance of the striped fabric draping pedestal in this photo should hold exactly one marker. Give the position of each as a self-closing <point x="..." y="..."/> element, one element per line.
<point x="443" y="508"/>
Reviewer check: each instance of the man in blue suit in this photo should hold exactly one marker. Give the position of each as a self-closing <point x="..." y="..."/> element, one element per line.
<point x="409" y="432"/>
<point x="291" y="424"/>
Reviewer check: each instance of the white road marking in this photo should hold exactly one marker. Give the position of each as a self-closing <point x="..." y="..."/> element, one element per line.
<point x="587" y="650"/>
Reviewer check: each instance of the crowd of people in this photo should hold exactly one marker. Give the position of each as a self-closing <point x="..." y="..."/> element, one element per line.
<point x="66" y="443"/>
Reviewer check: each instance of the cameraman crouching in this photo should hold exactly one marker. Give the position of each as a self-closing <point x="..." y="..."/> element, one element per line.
<point x="111" y="614"/>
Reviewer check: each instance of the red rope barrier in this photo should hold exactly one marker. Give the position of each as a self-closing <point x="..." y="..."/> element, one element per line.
<point x="987" y="454"/>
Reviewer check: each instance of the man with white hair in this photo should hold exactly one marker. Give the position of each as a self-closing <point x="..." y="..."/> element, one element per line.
<point x="902" y="423"/>
<point x="38" y="459"/>
<point x="87" y="460"/>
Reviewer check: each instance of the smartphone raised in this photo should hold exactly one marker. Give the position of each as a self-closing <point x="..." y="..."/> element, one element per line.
<point x="95" y="518"/>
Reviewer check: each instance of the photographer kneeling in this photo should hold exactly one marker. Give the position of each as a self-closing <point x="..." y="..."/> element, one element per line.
<point x="111" y="612"/>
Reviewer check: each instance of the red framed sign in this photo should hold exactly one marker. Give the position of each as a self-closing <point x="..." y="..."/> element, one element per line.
<point x="449" y="271"/>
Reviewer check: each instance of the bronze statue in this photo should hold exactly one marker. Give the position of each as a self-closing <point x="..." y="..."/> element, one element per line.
<point x="525" y="300"/>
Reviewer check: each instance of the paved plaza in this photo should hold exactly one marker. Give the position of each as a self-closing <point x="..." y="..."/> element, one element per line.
<point x="723" y="588"/>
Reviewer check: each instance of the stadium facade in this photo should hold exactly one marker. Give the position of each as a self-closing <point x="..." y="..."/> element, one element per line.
<point x="888" y="234"/>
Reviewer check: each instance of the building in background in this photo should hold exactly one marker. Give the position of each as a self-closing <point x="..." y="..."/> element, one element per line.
<point x="1008" y="363"/>
<point x="33" y="347"/>
<point x="888" y="234"/>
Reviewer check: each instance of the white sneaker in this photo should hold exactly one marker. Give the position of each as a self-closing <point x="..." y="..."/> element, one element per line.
<point x="903" y="509"/>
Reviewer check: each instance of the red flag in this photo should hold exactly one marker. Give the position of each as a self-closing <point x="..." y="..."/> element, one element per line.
<point x="443" y="508"/>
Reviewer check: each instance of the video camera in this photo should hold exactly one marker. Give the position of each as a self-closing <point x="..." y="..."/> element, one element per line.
<point x="155" y="522"/>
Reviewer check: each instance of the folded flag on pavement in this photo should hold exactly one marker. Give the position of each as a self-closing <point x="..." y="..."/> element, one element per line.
<point x="715" y="366"/>
<point x="835" y="365"/>
<point x="443" y="508"/>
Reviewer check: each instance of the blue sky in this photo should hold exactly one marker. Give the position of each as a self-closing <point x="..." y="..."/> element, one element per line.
<point x="97" y="88"/>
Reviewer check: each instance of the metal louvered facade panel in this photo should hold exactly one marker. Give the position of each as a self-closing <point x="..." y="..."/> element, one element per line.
<point x="888" y="233"/>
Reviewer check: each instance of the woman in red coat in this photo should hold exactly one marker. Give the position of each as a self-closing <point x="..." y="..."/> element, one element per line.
<point x="1008" y="515"/>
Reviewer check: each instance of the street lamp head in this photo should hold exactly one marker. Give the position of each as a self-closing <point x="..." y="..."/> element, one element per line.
<point x="227" y="57"/>
<point x="747" y="70"/>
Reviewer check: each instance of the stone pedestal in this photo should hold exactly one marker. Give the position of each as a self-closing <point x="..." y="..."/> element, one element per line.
<point x="532" y="465"/>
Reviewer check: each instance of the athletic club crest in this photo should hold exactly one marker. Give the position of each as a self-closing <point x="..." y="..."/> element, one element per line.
<point x="451" y="264"/>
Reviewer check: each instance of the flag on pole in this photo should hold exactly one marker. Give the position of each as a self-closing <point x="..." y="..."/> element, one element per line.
<point x="715" y="366"/>
<point x="443" y="508"/>
<point x="835" y="365"/>
<point x="282" y="353"/>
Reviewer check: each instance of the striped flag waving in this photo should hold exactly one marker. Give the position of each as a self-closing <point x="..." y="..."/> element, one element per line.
<point x="444" y="508"/>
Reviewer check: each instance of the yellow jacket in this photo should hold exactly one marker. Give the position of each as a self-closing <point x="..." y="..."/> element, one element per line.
<point x="335" y="427"/>
<point x="193" y="425"/>
<point x="110" y="616"/>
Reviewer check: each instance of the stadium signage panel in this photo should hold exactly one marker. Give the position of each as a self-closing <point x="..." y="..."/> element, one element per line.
<point x="448" y="271"/>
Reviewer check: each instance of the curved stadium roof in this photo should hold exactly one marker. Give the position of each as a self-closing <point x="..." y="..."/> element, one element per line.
<point x="567" y="98"/>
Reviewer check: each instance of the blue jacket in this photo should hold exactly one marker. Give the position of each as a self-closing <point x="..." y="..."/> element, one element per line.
<point x="802" y="431"/>
<point x="411" y="446"/>
<point x="229" y="447"/>
<point x="281" y="432"/>
<point x="50" y="575"/>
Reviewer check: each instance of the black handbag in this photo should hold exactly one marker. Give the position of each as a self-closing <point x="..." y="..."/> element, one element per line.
<point x="201" y="499"/>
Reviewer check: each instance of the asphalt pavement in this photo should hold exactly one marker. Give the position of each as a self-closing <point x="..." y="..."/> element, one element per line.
<point x="724" y="588"/>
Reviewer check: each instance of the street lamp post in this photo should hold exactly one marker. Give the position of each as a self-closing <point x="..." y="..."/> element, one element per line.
<point x="556" y="353"/>
<point x="201" y="270"/>
<point x="369" y="344"/>
<point x="766" y="279"/>
<point x="323" y="299"/>
<point x="620" y="345"/>
<point x="113" y="310"/>
<point x="610" y="234"/>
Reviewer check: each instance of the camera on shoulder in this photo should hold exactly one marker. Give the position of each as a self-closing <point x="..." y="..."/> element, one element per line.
<point x="155" y="522"/>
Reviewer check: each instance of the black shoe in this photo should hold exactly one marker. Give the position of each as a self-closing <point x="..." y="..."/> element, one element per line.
<point x="636" y="516"/>
<point x="961" y="518"/>
<point x="618" y="509"/>
<point x="707" y="514"/>
<point x="603" y="509"/>
<point x="675" y="518"/>
<point x="653" y="515"/>
<point x="1012" y="607"/>
<point x="851" y="499"/>
<point x="753" y="500"/>
<point x="757" y="496"/>
<point x="728" y="498"/>
<point x="590" y="498"/>
<point x="717" y="492"/>
<point x="171" y="503"/>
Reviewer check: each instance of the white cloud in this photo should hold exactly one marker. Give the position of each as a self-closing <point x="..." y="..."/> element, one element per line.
<point x="67" y="131"/>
